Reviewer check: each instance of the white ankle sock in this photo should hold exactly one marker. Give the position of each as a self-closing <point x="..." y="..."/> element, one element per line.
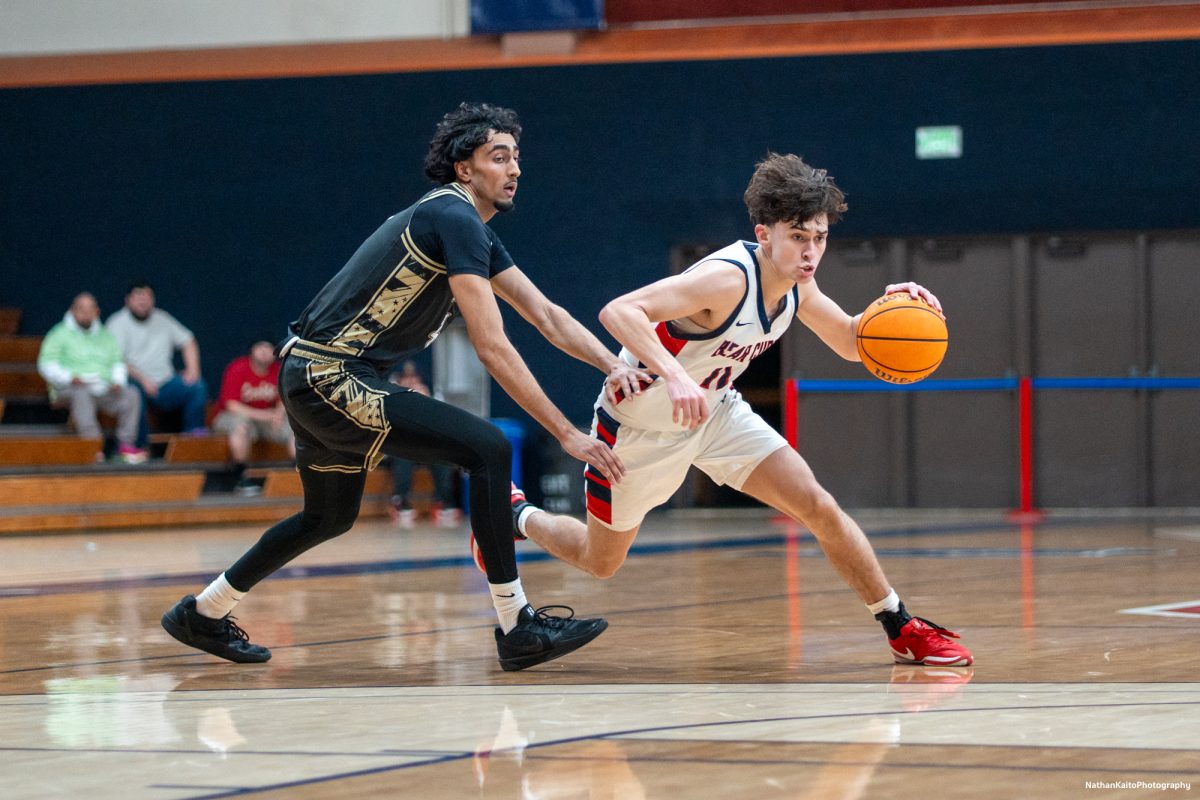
<point x="889" y="603"/>
<point x="523" y="517"/>
<point x="218" y="599"/>
<point x="509" y="599"/>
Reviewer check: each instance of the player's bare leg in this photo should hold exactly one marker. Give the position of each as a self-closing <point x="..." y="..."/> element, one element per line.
<point x="785" y="482"/>
<point x="592" y="548"/>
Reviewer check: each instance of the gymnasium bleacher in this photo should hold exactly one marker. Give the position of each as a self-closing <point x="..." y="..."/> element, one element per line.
<point x="50" y="480"/>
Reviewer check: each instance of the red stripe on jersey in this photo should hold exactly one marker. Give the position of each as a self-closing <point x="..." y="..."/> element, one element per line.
<point x="672" y="344"/>
<point x="599" y="509"/>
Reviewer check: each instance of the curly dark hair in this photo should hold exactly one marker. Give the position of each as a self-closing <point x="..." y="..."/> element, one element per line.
<point x="463" y="130"/>
<point x="785" y="189"/>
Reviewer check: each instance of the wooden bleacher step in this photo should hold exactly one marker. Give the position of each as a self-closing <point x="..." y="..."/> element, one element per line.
<point x="33" y="450"/>
<point x="100" y="488"/>
<point x="21" y="380"/>
<point x="214" y="449"/>
<point x="19" y="349"/>
<point x="281" y="483"/>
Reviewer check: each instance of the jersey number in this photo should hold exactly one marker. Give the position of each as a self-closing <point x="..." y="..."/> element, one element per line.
<point x="717" y="379"/>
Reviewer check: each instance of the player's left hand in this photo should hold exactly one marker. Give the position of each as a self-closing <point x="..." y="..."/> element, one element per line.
<point x="596" y="453"/>
<point x="918" y="292"/>
<point x="626" y="379"/>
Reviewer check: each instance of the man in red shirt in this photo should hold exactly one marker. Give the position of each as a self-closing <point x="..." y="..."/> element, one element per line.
<point x="249" y="409"/>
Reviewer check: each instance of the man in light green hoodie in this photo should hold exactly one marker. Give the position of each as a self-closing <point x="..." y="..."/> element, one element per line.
<point x="81" y="363"/>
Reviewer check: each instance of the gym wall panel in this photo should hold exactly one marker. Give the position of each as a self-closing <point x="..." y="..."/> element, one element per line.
<point x="847" y="440"/>
<point x="1086" y="315"/>
<point x="1088" y="449"/>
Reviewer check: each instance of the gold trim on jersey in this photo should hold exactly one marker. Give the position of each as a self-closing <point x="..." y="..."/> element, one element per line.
<point x="315" y="351"/>
<point x="400" y="289"/>
<point x="451" y="188"/>
<point x="354" y="400"/>
<point x="418" y="256"/>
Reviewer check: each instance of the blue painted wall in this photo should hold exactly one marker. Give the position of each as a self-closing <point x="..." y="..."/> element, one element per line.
<point x="240" y="198"/>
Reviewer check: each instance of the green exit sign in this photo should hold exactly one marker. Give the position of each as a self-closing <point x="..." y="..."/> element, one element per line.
<point x="939" y="141"/>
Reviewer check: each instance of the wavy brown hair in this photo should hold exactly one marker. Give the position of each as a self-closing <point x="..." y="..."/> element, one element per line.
<point x="785" y="189"/>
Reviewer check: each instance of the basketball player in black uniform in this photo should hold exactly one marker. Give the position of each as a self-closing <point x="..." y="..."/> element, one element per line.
<point x="423" y="265"/>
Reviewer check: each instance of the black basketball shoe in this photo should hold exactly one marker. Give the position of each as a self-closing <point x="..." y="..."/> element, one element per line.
<point x="541" y="637"/>
<point x="221" y="637"/>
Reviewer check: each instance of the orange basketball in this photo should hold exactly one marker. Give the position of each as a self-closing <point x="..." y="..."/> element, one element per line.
<point x="901" y="340"/>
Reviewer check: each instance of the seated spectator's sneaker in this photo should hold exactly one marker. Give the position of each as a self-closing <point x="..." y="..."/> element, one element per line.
<point x="540" y="637"/>
<point x="221" y="637"/>
<point x="247" y="487"/>
<point x="924" y="642"/>
<point x="128" y="454"/>
<point x="447" y="517"/>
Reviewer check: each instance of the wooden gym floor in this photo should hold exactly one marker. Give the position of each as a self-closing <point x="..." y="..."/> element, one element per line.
<point x="736" y="666"/>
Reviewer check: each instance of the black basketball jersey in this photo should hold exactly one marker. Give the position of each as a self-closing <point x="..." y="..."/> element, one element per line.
<point x="393" y="296"/>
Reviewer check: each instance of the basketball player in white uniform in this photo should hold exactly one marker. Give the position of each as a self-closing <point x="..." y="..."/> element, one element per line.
<point x="695" y="333"/>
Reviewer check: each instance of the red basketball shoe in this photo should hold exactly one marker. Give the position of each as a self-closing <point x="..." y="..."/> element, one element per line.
<point x="924" y="642"/>
<point x="519" y="503"/>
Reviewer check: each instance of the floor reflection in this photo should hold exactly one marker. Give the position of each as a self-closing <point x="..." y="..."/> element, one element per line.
<point x="507" y="767"/>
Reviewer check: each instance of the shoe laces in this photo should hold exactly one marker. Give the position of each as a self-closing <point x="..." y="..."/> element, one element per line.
<point x="551" y="620"/>
<point x="233" y="631"/>
<point x="939" y="629"/>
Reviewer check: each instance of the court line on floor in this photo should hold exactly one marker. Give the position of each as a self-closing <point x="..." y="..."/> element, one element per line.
<point x="643" y="549"/>
<point x="241" y="792"/>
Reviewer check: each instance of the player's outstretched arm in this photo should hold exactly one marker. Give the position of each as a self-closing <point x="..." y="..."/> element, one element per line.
<point x="564" y="331"/>
<point x="475" y="300"/>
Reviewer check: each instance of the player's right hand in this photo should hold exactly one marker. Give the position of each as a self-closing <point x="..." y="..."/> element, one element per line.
<point x="689" y="405"/>
<point x="596" y="453"/>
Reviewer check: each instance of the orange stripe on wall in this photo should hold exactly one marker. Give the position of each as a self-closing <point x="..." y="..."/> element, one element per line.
<point x="941" y="32"/>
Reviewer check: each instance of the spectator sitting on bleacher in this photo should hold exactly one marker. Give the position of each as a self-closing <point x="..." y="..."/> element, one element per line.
<point x="249" y="409"/>
<point x="81" y="364"/>
<point x="149" y="338"/>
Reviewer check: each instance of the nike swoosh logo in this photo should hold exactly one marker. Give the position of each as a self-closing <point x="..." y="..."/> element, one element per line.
<point x="908" y="653"/>
<point x="740" y="324"/>
<point x="505" y="596"/>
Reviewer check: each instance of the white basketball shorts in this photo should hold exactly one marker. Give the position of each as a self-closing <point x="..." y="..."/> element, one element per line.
<point x="730" y="444"/>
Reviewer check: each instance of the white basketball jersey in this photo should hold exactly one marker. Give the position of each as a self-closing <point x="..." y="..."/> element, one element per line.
<point x="714" y="359"/>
